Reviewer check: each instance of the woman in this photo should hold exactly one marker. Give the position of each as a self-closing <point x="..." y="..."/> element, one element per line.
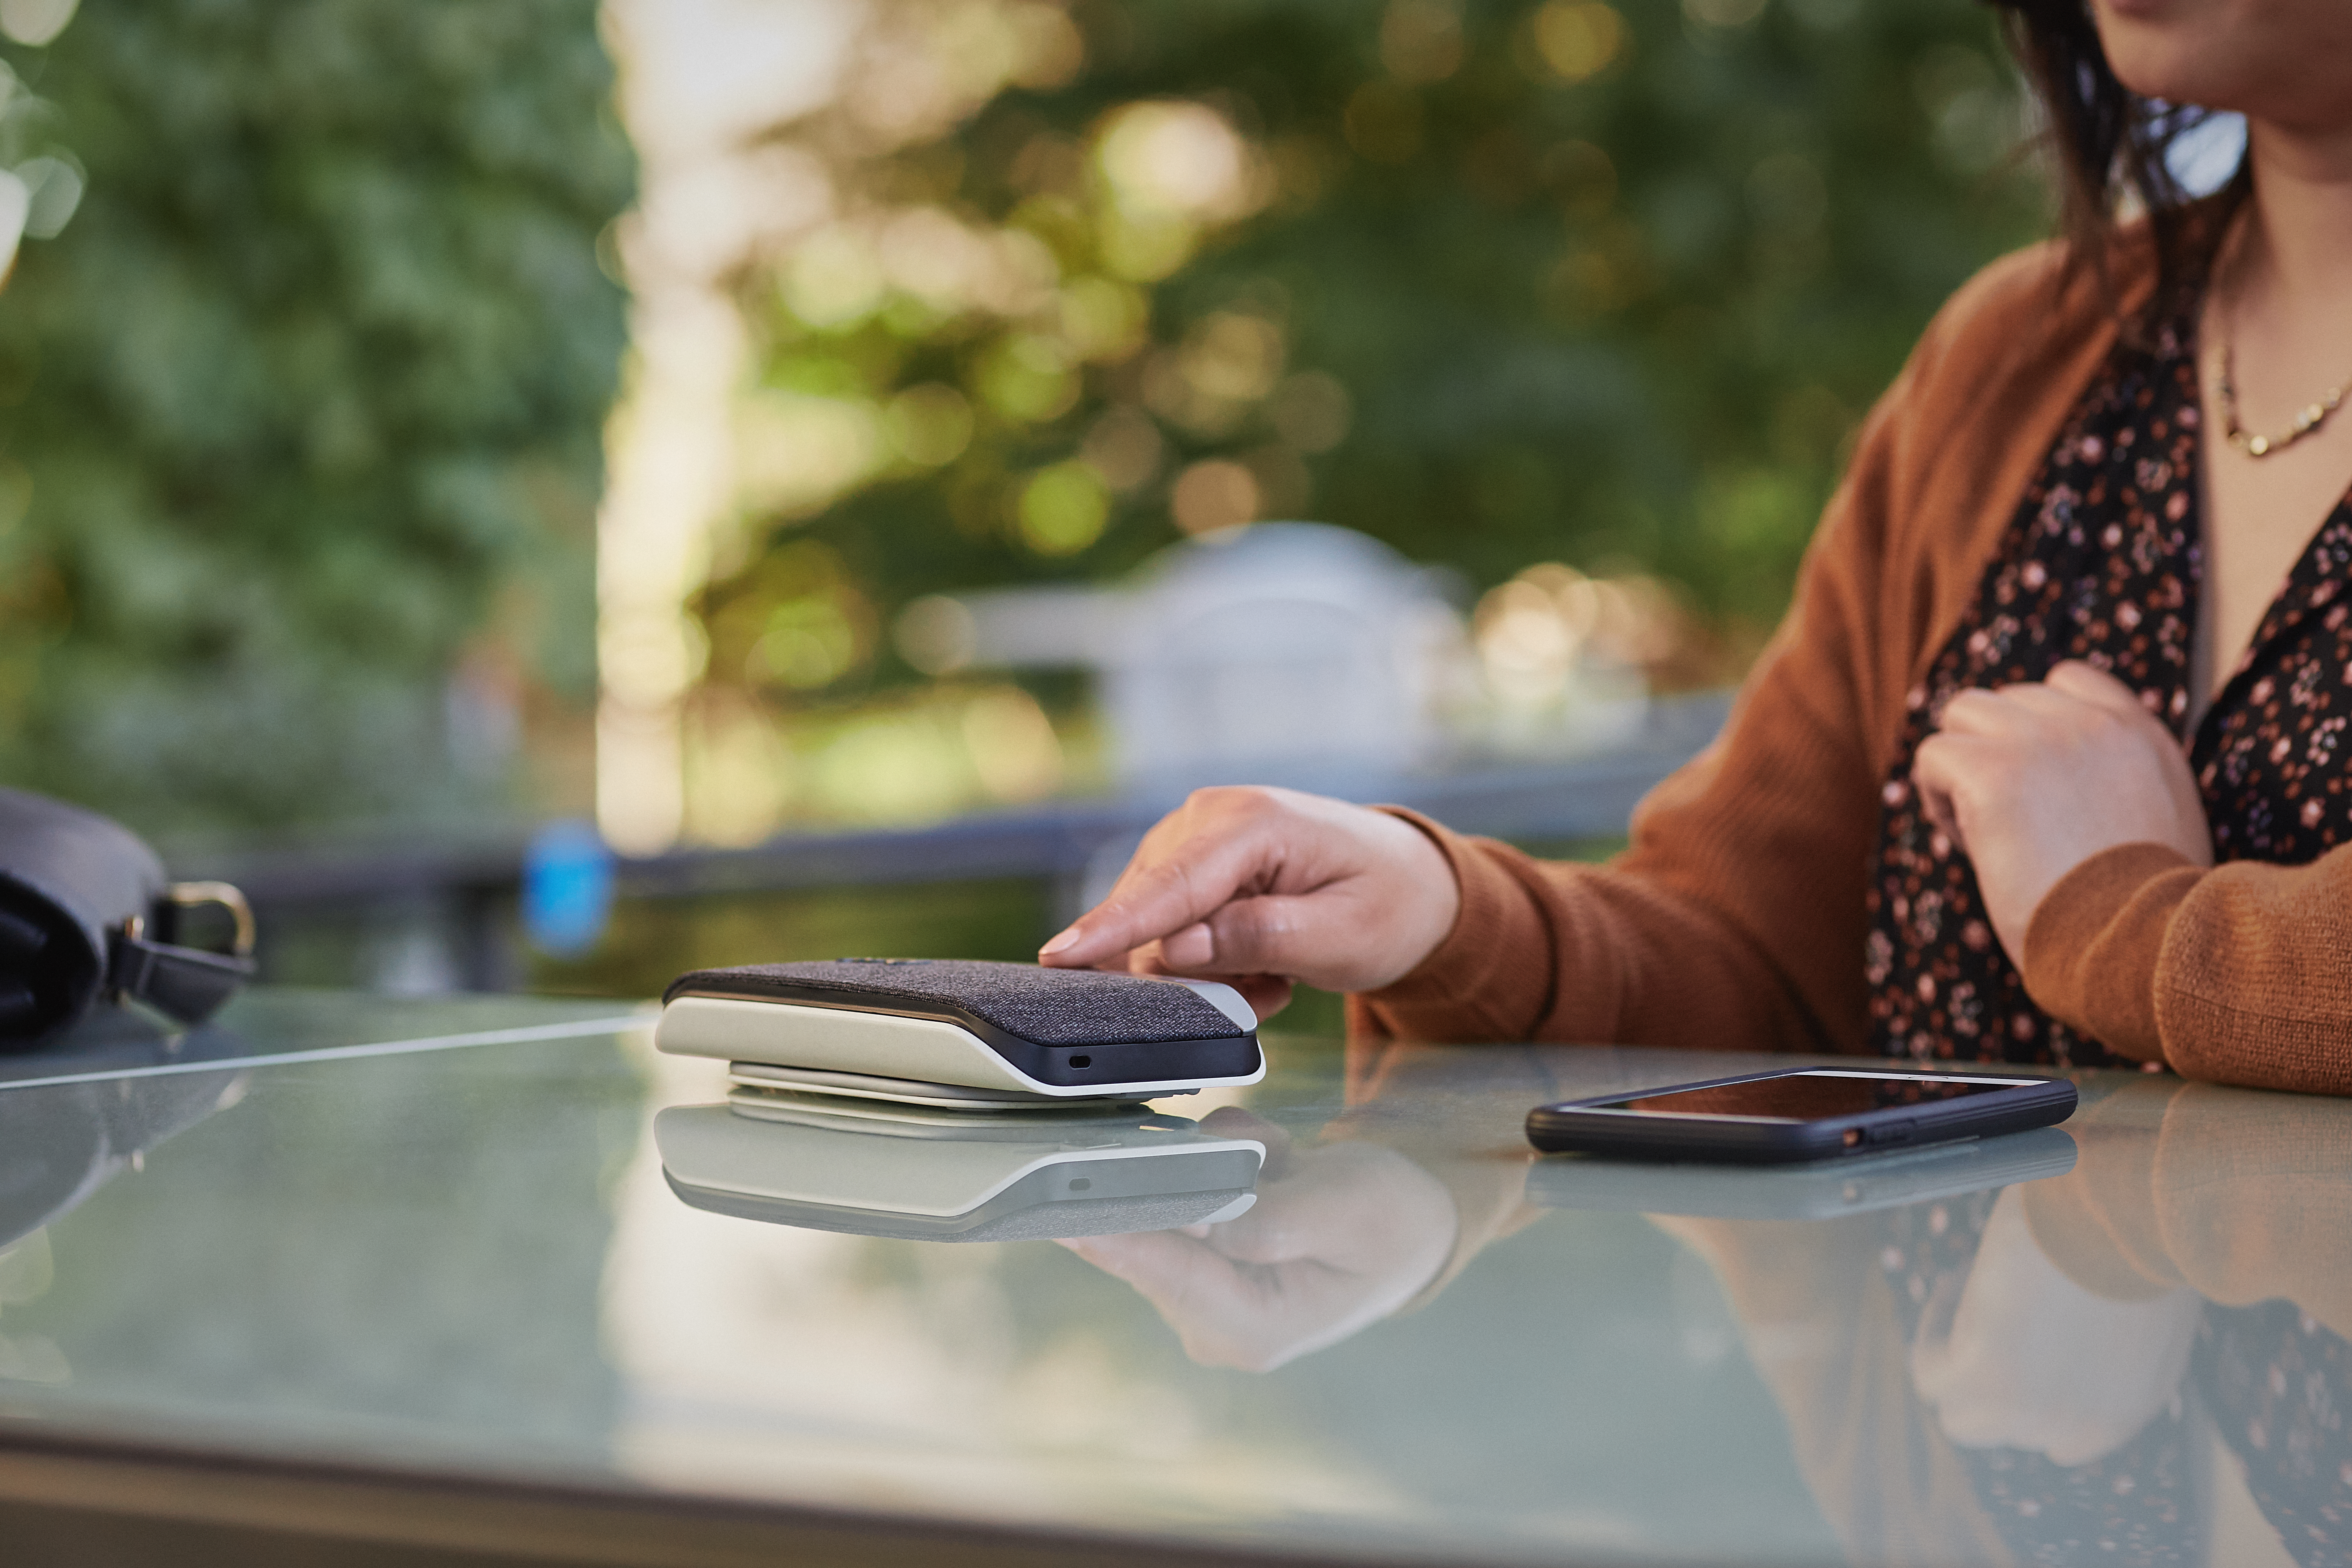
<point x="2046" y="763"/>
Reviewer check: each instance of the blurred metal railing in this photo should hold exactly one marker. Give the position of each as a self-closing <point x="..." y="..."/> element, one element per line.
<point x="1075" y="845"/>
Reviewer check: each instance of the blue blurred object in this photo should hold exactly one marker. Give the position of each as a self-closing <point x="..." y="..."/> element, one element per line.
<point x="567" y="888"/>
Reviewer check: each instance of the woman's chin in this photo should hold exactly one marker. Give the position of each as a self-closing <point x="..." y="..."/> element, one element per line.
<point x="2258" y="58"/>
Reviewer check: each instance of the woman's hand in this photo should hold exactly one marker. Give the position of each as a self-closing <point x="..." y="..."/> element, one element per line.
<point x="1340" y="1236"/>
<point x="2021" y="1357"/>
<point x="2031" y="780"/>
<point x="1261" y="887"/>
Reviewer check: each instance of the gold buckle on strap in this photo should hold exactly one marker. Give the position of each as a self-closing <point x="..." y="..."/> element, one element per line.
<point x="194" y="895"/>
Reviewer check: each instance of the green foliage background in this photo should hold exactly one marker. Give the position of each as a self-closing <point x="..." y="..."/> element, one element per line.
<point x="1650" y="356"/>
<point x="304" y="403"/>
<point x="303" y="408"/>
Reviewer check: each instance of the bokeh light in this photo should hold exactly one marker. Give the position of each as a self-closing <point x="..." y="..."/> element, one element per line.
<point x="1215" y="494"/>
<point x="1176" y="159"/>
<point x="1575" y="39"/>
<point x="1062" y="509"/>
<point x="35" y="23"/>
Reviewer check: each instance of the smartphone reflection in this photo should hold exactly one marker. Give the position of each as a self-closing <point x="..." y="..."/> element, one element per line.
<point x="1819" y="1191"/>
<point x="916" y="1174"/>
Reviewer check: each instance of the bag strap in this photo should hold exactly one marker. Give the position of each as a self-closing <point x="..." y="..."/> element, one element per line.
<point x="186" y="982"/>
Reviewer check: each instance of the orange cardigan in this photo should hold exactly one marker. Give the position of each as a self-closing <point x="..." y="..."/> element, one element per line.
<point x="1735" y="919"/>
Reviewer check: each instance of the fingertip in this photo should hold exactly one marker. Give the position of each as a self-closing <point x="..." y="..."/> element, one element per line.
<point x="1084" y="946"/>
<point x="1240" y="1121"/>
<point x="1266" y="995"/>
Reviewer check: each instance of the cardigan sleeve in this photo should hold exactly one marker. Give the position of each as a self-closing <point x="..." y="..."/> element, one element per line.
<point x="2238" y="975"/>
<point x="1736" y="918"/>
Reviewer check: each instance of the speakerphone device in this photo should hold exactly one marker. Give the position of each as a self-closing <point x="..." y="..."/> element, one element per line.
<point x="914" y="1172"/>
<point x="963" y="1035"/>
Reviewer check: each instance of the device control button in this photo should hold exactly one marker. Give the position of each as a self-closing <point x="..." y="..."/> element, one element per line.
<point x="1891" y="1133"/>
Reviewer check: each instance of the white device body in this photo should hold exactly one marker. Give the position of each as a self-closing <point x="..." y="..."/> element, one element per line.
<point x="714" y="1147"/>
<point x="886" y="1056"/>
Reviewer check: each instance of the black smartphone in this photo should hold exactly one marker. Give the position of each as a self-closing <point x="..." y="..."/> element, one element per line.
<point x="1802" y="1113"/>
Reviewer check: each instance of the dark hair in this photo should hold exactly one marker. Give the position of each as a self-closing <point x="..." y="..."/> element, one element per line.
<point x="2110" y="146"/>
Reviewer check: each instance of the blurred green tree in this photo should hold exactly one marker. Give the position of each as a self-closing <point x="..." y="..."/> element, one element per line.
<point x="1494" y="280"/>
<point x="301" y="415"/>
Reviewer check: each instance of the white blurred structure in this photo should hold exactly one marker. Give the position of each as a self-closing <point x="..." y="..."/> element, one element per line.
<point x="1278" y="651"/>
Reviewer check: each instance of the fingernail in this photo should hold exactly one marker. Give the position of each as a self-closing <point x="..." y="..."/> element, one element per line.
<point x="1066" y="940"/>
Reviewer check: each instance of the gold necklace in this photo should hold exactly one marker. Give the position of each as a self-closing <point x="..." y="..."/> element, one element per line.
<point x="2313" y="416"/>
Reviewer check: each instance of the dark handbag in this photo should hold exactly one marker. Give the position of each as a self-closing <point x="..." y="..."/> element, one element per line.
<point x="85" y="911"/>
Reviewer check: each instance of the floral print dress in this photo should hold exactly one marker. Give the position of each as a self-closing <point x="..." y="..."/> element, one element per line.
<point x="2104" y="563"/>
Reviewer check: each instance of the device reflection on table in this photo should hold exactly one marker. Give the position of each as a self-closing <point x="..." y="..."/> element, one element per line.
<point x="915" y="1173"/>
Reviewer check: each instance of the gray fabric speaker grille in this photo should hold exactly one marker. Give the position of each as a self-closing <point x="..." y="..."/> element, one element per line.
<point x="1049" y="1006"/>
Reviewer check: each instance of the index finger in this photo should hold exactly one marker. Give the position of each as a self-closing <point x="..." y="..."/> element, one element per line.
<point x="1200" y="874"/>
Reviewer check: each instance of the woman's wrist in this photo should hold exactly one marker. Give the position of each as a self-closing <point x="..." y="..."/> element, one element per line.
<point x="1428" y="894"/>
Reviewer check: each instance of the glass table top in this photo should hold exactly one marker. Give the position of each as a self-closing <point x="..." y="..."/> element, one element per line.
<point x="503" y="1237"/>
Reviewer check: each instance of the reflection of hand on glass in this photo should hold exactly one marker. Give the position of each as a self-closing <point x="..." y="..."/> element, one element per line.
<point x="1341" y="1236"/>
<point x="2021" y="1357"/>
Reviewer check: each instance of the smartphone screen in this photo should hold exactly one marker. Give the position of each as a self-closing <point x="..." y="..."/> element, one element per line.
<point x="1809" y="1095"/>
